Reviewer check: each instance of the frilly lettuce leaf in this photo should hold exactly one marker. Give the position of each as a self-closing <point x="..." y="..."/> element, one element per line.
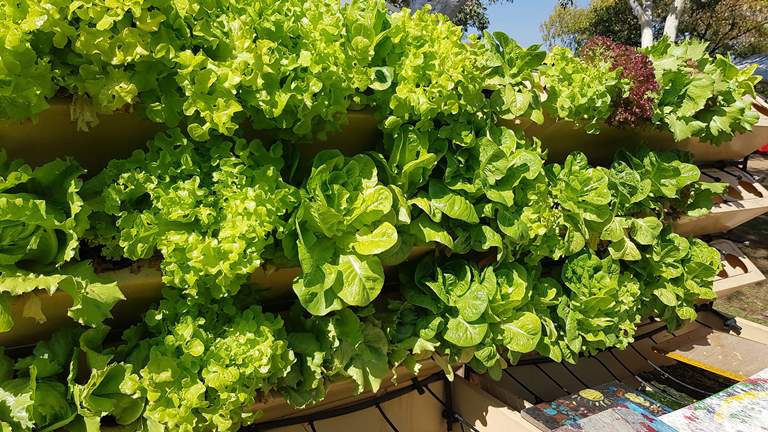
<point x="579" y="91"/>
<point x="205" y="374"/>
<point x="26" y="79"/>
<point x="213" y="211"/>
<point x="700" y="95"/>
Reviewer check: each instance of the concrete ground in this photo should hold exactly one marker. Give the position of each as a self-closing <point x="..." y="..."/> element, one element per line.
<point x="752" y="238"/>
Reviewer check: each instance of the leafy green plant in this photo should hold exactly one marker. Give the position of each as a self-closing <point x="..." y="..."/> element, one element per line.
<point x="701" y="96"/>
<point x="471" y="313"/>
<point x="346" y="219"/>
<point x="600" y="309"/>
<point x="581" y="92"/>
<point x="569" y="207"/>
<point x="343" y="344"/>
<point x="42" y="220"/>
<point x="218" y="368"/>
<point x="477" y="186"/>
<point x="425" y="72"/>
<point x="510" y="75"/>
<point x="214" y="211"/>
<point x="660" y="184"/>
<point x="34" y="390"/>
<point x="676" y="272"/>
<point x="26" y="81"/>
<point x="187" y="367"/>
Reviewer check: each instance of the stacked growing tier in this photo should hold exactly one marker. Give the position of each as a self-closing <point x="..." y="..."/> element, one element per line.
<point x="284" y="195"/>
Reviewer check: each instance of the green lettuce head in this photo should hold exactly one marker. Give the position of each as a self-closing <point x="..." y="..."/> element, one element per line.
<point x="212" y="210"/>
<point x="346" y="219"/>
<point x="42" y="219"/>
<point x="42" y="215"/>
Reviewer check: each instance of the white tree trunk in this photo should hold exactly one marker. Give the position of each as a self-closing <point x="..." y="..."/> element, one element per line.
<point x="673" y="19"/>
<point x="644" y="13"/>
<point x="646" y="34"/>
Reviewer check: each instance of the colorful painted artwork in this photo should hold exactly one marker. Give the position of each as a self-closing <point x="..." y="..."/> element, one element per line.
<point x="740" y="408"/>
<point x="630" y="419"/>
<point x="570" y="410"/>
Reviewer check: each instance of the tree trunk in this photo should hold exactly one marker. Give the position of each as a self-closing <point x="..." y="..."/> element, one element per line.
<point x="646" y="34"/>
<point x="644" y="13"/>
<point x="673" y="19"/>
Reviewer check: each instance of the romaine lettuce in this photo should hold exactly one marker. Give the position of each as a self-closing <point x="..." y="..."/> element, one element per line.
<point x="346" y="219"/>
<point x="42" y="220"/>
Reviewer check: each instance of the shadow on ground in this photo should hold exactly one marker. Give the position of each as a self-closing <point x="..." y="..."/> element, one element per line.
<point x="752" y="238"/>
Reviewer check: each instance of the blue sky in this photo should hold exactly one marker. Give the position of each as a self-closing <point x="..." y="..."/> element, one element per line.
<point x="521" y="18"/>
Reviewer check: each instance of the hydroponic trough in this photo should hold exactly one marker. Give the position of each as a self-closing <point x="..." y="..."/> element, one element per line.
<point x="745" y="200"/>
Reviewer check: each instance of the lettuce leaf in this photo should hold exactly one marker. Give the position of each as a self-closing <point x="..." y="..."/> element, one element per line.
<point x="701" y="96"/>
<point x="42" y="220"/>
<point x="346" y="218"/>
<point x="213" y="211"/>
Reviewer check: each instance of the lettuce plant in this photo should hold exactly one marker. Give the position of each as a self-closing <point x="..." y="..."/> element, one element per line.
<point x="568" y="206"/>
<point x="343" y="344"/>
<point x="476" y="188"/>
<point x="581" y="92"/>
<point x="214" y="211"/>
<point x="661" y="184"/>
<point x="701" y="96"/>
<point x="34" y="390"/>
<point x="676" y="272"/>
<point x="44" y="216"/>
<point x="427" y="71"/>
<point x="26" y="80"/>
<point x="600" y="308"/>
<point x="470" y="312"/>
<point x="42" y="220"/>
<point x="346" y="219"/>
<point x="215" y="370"/>
<point x="511" y="76"/>
<point x="636" y="67"/>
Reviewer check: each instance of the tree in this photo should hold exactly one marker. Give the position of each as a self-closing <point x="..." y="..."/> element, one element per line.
<point x="673" y="18"/>
<point x="644" y="13"/>
<point x="470" y="14"/>
<point x="643" y="10"/>
<point x="449" y="8"/>
<point x="735" y="26"/>
<point x="731" y="26"/>
<point x="572" y="26"/>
